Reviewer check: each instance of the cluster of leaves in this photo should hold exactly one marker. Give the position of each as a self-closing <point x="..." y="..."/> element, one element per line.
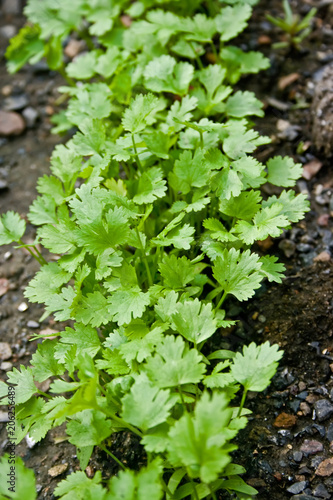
<point x="151" y="208"/>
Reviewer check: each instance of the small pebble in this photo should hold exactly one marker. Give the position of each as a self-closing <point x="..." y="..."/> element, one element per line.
<point x="311" y="446"/>
<point x="22" y="307"/>
<point x="5" y="351"/>
<point x="325" y="468"/>
<point x="288" y="247"/>
<point x="4" y="416"/>
<point x="7" y="31"/>
<point x="32" y="324"/>
<point x="56" y="470"/>
<point x="297" y="487"/>
<point x="15" y="102"/>
<point x="8" y="255"/>
<point x="324" y="409"/>
<point x="305" y="408"/>
<point x="11" y="123"/>
<point x="285" y="421"/>
<point x="30" y="441"/>
<point x="321" y="491"/>
<point x="297" y="456"/>
<point x="30" y="115"/>
<point x="323" y="257"/>
<point x="303" y="248"/>
<point x="6" y="366"/>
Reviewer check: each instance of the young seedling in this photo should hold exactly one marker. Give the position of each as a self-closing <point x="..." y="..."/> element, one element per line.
<point x="295" y="28"/>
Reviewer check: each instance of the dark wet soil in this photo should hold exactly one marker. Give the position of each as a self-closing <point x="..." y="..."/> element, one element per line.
<point x="289" y="438"/>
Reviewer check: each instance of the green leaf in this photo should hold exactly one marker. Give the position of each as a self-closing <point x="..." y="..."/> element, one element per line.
<point x="269" y="221"/>
<point x="232" y="20"/>
<point x="51" y="186"/>
<point x="194" y="320"/>
<point x="294" y="206"/>
<point x="164" y="74"/>
<point x="89" y="428"/>
<point x="198" y="441"/>
<point x="59" y="238"/>
<point x="12" y="228"/>
<point x="151" y="186"/>
<point x="44" y="363"/>
<point x="174" y="364"/>
<point x="142" y="347"/>
<point x="243" y="104"/>
<point x="61" y="304"/>
<point x="77" y="486"/>
<point x="99" y="235"/>
<point x="176" y="272"/>
<point x="244" y="206"/>
<point x="218" y="231"/>
<point x="24" y="47"/>
<point x="127" y="304"/>
<point x="272" y="269"/>
<point x="282" y="171"/>
<point x="146" y="406"/>
<point x="140" y="113"/>
<point x="255" y="367"/>
<point x="46" y="283"/>
<point x="25" y="386"/>
<point x="199" y="28"/>
<point x="43" y="211"/>
<point x="251" y="172"/>
<point x="144" y="485"/>
<point x="85" y="338"/>
<point x="241" y="141"/>
<point x="180" y="111"/>
<point x="217" y="379"/>
<point x="93" y="309"/>
<point x="180" y="237"/>
<point x="238" y="274"/>
<point x="227" y="183"/>
<point x="191" y="171"/>
<point x="92" y="138"/>
<point x="23" y="479"/>
<point x="83" y="67"/>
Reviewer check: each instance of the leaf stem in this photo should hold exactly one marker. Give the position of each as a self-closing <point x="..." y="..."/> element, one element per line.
<point x="136" y="154"/>
<point x="121" y="421"/>
<point x="222" y="299"/>
<point x="196" y="496"/>
<point x="144" y="258"/>
<point x="242" y="402"/>
<point x="112" y="456"/>
<point x="214" y="51"/>
<point x="44" y="394"/>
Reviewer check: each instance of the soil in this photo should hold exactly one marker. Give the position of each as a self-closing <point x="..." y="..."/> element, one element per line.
<point x="290" y="433"/>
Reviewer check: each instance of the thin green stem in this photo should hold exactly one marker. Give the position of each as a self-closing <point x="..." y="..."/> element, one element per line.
<point x="212" y="492"/>
<point x="201" y="139"/>
<point x="40" y="255"/>
<point x="40" y="259"/>
<point x="44" y="394"/>
<point x="212" y="44"/>
<point x="242" y="403"/>
<point x="196" y="496"/>
<point x="166" y="489"/>
<point x="136" y="154"/>
<point x="222" y="299"/>
<point x="197" y="58"/>
<point x="144" y="258"/>
<point x="69" y="80"/>
<point x="112" y="456"/>
<point x="121" y="421"/>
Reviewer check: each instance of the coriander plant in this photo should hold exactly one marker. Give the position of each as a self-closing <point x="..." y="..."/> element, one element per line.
<point x="151" y="208"/>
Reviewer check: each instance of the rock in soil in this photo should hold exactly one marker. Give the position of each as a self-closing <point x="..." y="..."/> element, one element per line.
<point x="5" y="351"/>
<point x="11" y="123"/>
<point x="322" y="112"/>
